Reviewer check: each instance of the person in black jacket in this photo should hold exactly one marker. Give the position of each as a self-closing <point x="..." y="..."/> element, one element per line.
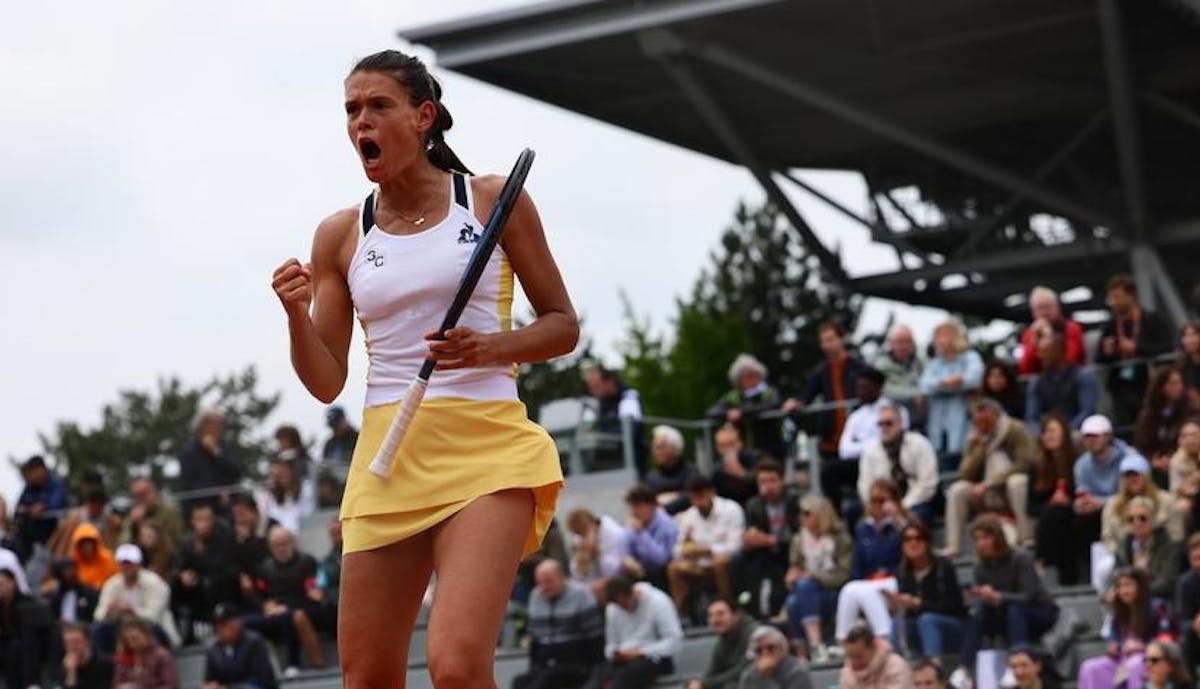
<point x="1187" y="603"/>
<point x="207" y="571"/>
<point x="283" y="598"/>
<point x="206" y="462"/>
<point x="70" y="599"/>
<point x="746" y="403"/>
<point x="772" y="518"/>
<point x="24" y="623"/>
<point x="238" y="657"/>
<point x="81" y="666"/>
<point x="1133" y="333"/>
<point x="928" y="598"/>
<point x="249" y="547"/>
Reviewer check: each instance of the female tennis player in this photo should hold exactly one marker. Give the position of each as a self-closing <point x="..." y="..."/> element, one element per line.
<point x="474" y="484"/>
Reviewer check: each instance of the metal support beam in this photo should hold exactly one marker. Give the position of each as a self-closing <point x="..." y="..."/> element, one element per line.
<point x="1179" y="112"/>
<point x="1154" y="284"/>
<point x="665" y="47"/>
<point x="912" y="222"/>
<point x="857" y="116"/>
<point x="1124" y="108"/>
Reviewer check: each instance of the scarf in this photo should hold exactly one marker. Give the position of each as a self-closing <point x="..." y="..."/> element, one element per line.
<point x="897" y="473"/>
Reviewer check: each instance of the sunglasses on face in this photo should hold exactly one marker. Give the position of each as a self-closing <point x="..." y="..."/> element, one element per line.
<point x="761" y="650"/>
<point x="1138" y="518"/>
<point x="886" y="423"/>
<point x="1153" y="660"/>
<point x="806" y="513"/>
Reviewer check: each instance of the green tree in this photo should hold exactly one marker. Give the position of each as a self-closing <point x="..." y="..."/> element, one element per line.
<point x="142" y="430"/>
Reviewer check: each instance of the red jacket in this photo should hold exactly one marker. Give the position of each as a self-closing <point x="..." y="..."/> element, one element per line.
<point x="1076" y="352"/>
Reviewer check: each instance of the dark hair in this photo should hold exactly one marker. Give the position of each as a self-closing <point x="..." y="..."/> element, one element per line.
<point x="697" y="483"/>
<point x="66" y="626"/>
<point x="1052" y="465"/>
<point x="1193" y="326"/>
<point x="834" y="325"/>
<point x="768" y="465"/>
<point x="1156" y="398"/>
<point x="923" y="533"/>
<point x="991" y="526"/>
<point x="1123" y="282"/>
<point x="289" y="433"/>
<point x="860" y="634"/>
<point x="723" y="600"/>
<point x="1136" y="618"/>
<point x="1013" y="393"/>
<point x="620" y="585"/>
<point x="640" y="494"/>
<point x="1193" y="542"/>
<point x="931" y="663"/>
<point x="414" y="77"/>
<point x="1181" y="675"/>
<point x="243" y="499"/>
<point x="94" y="495"/>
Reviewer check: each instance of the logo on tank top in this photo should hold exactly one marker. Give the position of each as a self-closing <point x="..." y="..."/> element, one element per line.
<point x="467" y="235"/>
<point x="374" y="257"/>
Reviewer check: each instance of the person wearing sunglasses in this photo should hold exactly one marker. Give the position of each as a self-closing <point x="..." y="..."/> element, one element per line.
<point x="1114" y="523"/>
<point x="905" y="457"/>
<point x="1165" y="667"/>
<point x="771" y="665"/>
<point x="819" y="563"/>
<point x="1148" y="547"/>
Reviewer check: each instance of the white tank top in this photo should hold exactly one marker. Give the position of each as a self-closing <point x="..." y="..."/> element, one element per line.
<point x="402" y="285"/>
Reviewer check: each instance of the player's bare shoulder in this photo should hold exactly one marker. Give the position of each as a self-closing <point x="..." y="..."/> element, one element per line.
<point x="335" y="237"/>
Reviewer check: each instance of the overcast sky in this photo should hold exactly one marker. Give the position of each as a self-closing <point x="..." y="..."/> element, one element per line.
<point x="158" y="160"/>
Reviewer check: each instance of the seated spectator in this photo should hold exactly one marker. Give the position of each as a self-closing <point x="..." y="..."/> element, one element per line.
<point x="1030" y="669"/>
<point x="1097" y="478"/>
<point x="1048" y="316"/>
<point x="652" y="536"/>
<point x="734" y="479"/>
<point x="876" y="557"/>
<point x="1156" y="434"/>
<point x="615" y="401"/>
<point x="1184" y="480"/>
<point x="901" y="366"/>
<point x="141" y="662"/>
<point x="24" y="622"/>
<point x="1165" y="667"/>
<point x="1188" y="361"/>
<point x="1132" y="335"/>
<point x="731" y="654"/>
<point x="670" y="472"/>
<point x="929" y="598"/>
<point x="773" y="667"/>
<point x="1187" y="603"/>
<point x="133" y="590"/>
<point x="1000" y="383"/>
<point x="37" y="512"/>
<point x="238" y="657"/>
<point x="149" y="505"/>
<point x="289" y="447"/>
<point x="871" y="663"/>
<point x="862" y="426"/>
<point x="996" y="460"/>
<point x="96" y="511"/>
<point x="771" y="520"/>
<point x="710" y="534"/>
<point x="158" y="550"/>
<point x="339" y="448"/>
<point x="285" y="499"/>
<point x="1052" y="488"/>
<point x="744" y="406"/>
<point x="641" y="639"/>
<point x="70" y="599"/>
<point x="329" y="581"/>
<point x="1150" y="549"/>
<point x="819" y="564"/>
<point x="207" y="571"/>
<point x="82" y="667"/>
<point x="1135" y="481"/>
<point x="1008" y="599"/>
<point x="906" y="458"/>
<point x="598" y="547"/>
<point x="927" y="673"/>
<point x="207" y="462"/>
<point x="1069" y="390"/>
<point x="329" y="489"/>
<point x="249" y="546"/>
<point x="94" y="561"/>
<point x="1133" y="626"/>
<point x="950" y="376"/>
<point x="281" y="603"/>
<point x="566" y="631"/>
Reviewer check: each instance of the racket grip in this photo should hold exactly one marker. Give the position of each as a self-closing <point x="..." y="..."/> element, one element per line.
<point x="381" y="465"/>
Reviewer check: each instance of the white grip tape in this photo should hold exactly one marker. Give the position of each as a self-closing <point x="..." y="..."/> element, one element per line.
<point x="381" y="465"/>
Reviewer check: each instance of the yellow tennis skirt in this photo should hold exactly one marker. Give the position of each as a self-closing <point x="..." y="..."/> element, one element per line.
<point x="456" y="450"/>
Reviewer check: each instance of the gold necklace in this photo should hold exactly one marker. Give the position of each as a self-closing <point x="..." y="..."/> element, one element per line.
<point x="415" y="222"/>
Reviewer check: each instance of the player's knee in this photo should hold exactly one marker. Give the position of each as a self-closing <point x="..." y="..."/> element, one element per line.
<point x="459" y="668"/>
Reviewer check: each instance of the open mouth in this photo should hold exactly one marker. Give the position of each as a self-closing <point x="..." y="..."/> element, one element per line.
<point x="369" y="149"/>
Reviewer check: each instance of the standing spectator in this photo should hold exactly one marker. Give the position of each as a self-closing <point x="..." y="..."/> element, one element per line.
<point x="819" y="565"/>
<point x="237" y="657"/>
<point x="281" y="601"/>
<point x="82" y="667"/>
<point x="670" y="473"/>
<point x="1028" y="666"/>
<point x="285" y="499"/>
<point x="1156" y="433"/>
<point x="952" y="374"/>
<point x="616" y="401"/>
<point x="902" y="368"/>
<point x="1097" y="478"/>
<point x="207" y="571"/>
<point x="141" y="662"/>
<point x="1150" y="549"/>
<point x="1052" y="487"/>
<point x="289" y="447"/>
<point x="641" y="637"/>
<point x="23" y="625"/>
<point x="148" y="504"/>
<point x="1047" y="315"/>
<point x="1063" y="388"/>
<point x="42" y="498"/>
<point x="598" y="548"/>
<point x="71" y="600"/>
<point x="566" y="632"/>
<point x="731" y="654"/>
<point x="773" y="666"/>
<point x="206" y="462"/>
<point x="710" y="534"/>
<point x="1000" y="383"/>
<point x="1188" y="362"/>
<point x="158" y="550"/>
<point x="929" y="598"/>
<point x="1184" y="480"/>
<point x="1133" y="626"/>
<point x="1165" y="668"/>
<point x="1008" y="599"/>
<point x="772" y="517"/>
<point x="1187" y="603"/>
<point x="997" y="458"/>
<point x="734" y="479"/>
<point x="94" y="561"/>
<point x="339" y="448"/>
<point x="832" y="380"/>
<point x="133" y="590"/>
<point x="652" y="536"/>
<point x="906" y="458"/>
<point x="871" y="663"/>
<point x="862" y="426"/>
<point x="745" y="404"/>
<point x="1133" y="333"/>
<point x="329" y="581"/>
<point x="876" y="557"/>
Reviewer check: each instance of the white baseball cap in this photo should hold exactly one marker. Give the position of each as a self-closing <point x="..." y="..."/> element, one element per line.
<point x="128" y="552"/>
<point x="1096" y="424"/>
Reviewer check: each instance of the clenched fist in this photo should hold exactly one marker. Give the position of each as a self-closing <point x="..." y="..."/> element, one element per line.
<point x="292" y="283"/>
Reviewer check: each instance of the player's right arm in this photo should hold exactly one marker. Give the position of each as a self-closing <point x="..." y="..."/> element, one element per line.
<point x="319" y="311"/>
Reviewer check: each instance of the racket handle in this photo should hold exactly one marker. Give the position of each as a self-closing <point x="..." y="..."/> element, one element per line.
<point x="381" y="465"/>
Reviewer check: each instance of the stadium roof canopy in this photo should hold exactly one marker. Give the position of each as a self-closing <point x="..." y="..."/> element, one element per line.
<point x="1050" y="141"/>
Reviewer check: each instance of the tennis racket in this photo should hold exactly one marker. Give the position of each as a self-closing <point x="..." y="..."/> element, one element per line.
<point x="381" y="465"/>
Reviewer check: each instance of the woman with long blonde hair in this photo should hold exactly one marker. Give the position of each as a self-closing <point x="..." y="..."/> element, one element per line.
<point x="819" y="563"/>
<point x="954" y="372"/>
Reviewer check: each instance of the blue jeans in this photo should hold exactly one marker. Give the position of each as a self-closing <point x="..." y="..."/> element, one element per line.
<point x="1017" y="621"/>
<point x="932" y="633"/>
<point x="808" y="602"/>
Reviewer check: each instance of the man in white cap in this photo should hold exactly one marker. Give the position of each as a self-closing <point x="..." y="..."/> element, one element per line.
<point x="1097" y="478"/>
<point x="135" y="591"/>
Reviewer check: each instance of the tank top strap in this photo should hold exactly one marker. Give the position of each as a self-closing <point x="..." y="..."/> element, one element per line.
<point x="462" y="190"/>
<point x="368" y="213"/>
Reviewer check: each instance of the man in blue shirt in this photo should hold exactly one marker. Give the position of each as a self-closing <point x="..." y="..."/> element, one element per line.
<point x="652" y="536"/>
<point x="1097" y="478"/>
<point x="38" y="507"/>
